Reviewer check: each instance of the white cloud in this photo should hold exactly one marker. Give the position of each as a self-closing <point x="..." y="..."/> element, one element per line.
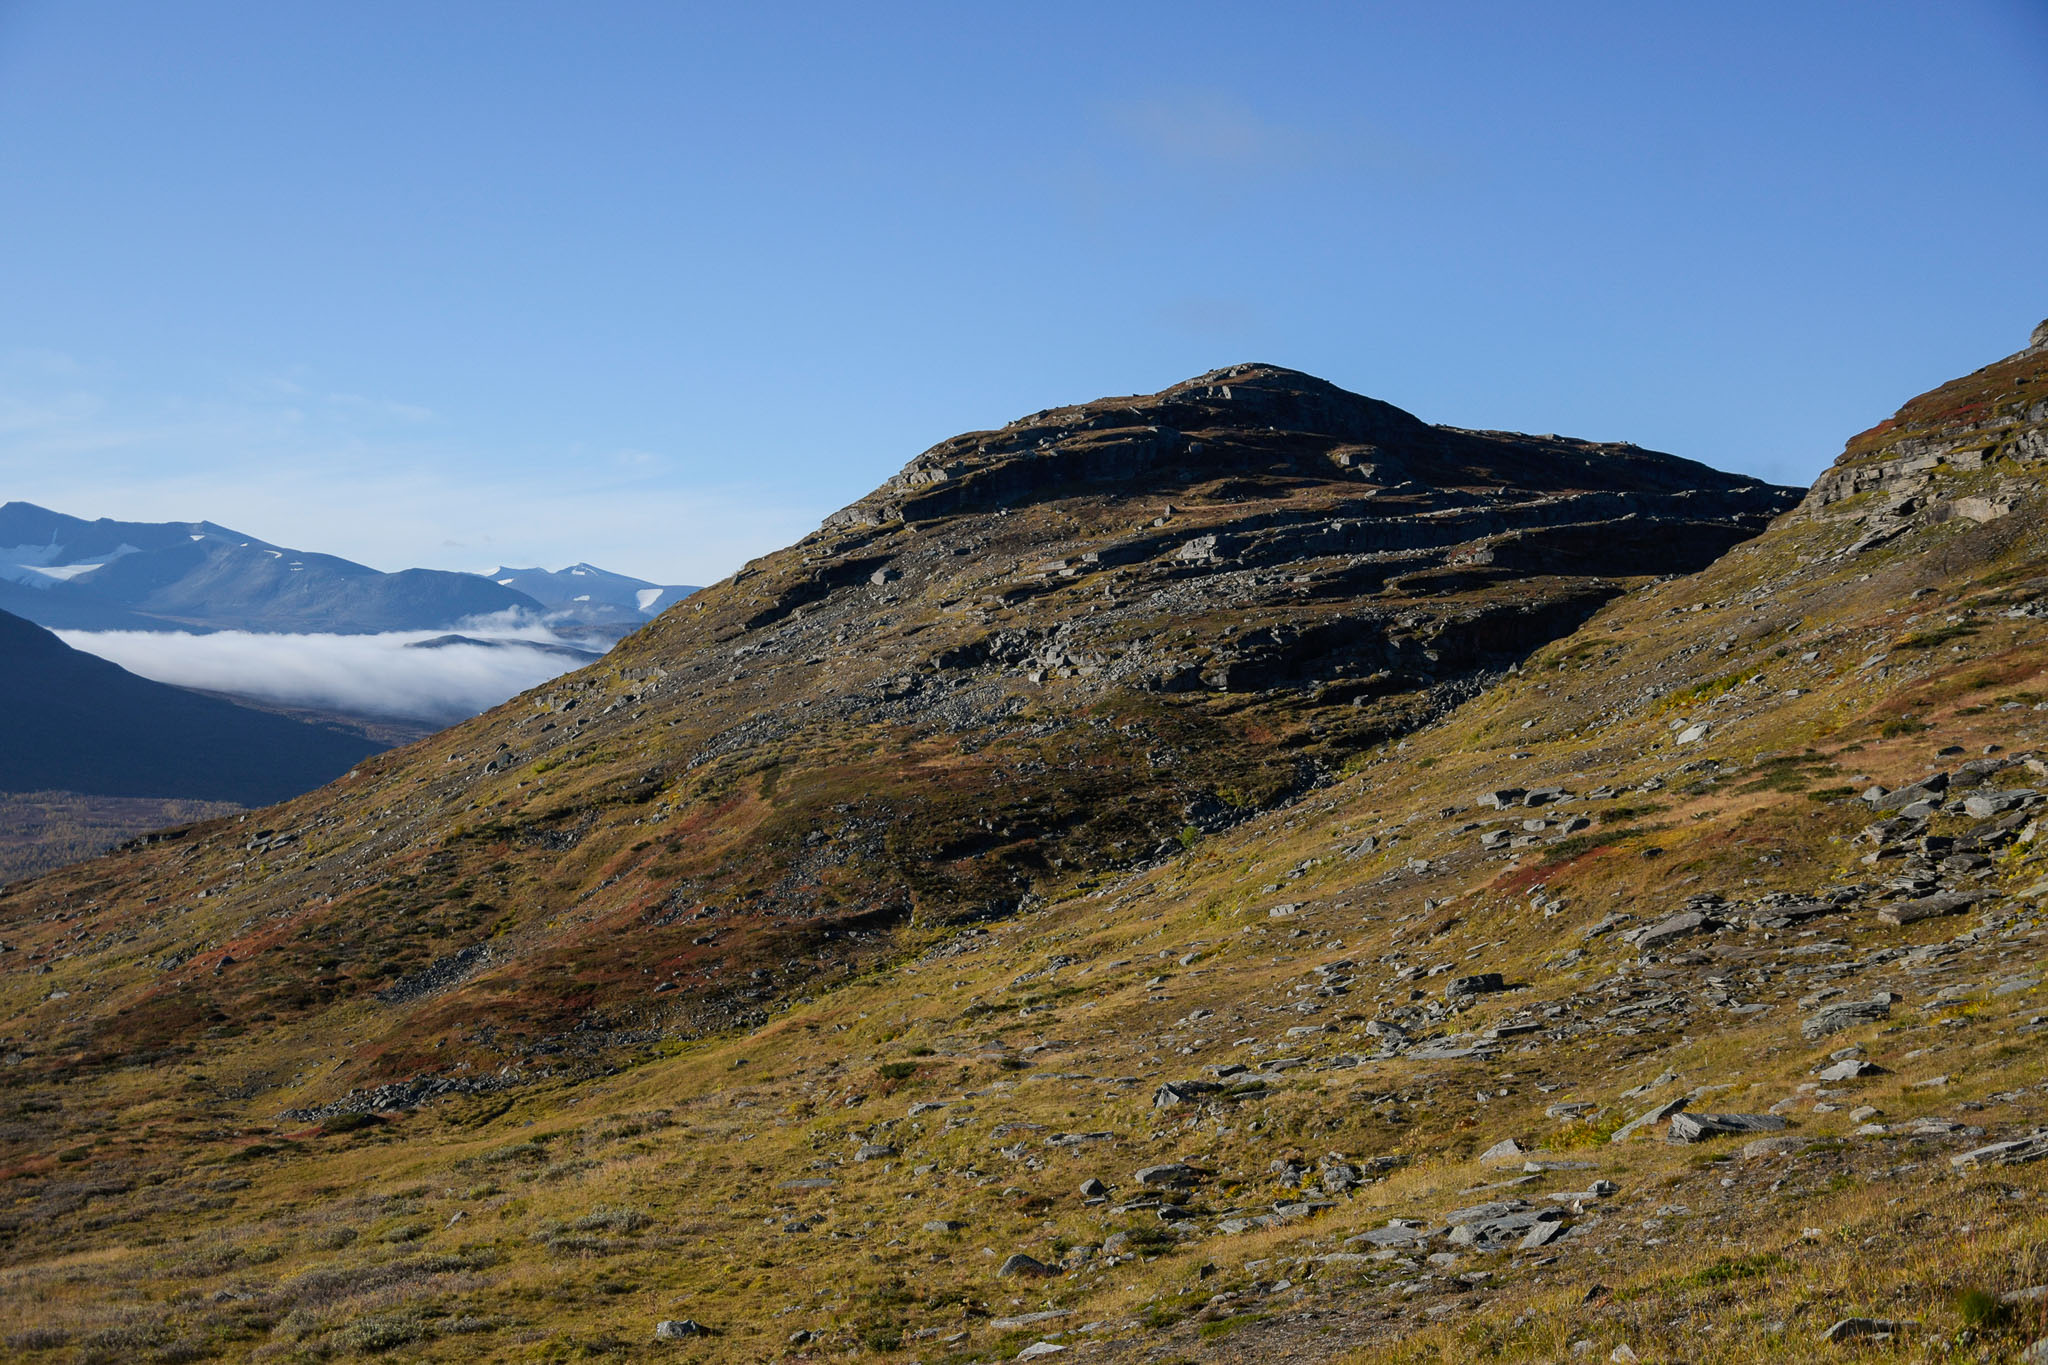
<point x="377" y="675"/>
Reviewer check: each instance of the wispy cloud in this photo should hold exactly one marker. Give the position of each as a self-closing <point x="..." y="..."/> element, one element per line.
<point x="1219" y="142"/>
<point x="1210" y="129"/>
<point x="375" y="675"/>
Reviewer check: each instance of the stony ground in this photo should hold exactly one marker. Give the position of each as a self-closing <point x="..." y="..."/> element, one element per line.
<point x="1678" y="997"/>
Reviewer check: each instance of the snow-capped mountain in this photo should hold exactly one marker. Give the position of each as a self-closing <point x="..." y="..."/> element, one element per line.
<point x="588" y="595"/>
<point x="67" y="573"/>
<point x="70" y="574"/>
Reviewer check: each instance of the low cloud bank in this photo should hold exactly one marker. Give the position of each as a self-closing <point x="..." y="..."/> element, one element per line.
<point x="369" y="675"/>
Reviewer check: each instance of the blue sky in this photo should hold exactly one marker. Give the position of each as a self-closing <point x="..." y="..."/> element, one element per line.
<point x="658" y="285"/>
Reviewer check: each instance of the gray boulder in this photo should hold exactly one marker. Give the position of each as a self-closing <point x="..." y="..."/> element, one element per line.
<point x="1020" y="1264"/>
<point x="1845" y="1014"/>
<point x="1171" y="1175"/>
<point x="679" y="1329"/>
<point x="1700" y="1127"/>
<point x="1466" y="987"/>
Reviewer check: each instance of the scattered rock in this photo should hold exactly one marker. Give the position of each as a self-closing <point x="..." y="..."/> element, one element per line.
<point x="1930" y="907"/>
<point x="1846" y="1014"/>
<point x="1864" y="1329"/>
<point x="2012" y="1153"/>
<point x="1021" y="1264"/>
<point x="1700" y="1127"/>
<point x="679" y="1329"/>
<point x="1482" y="983"/>
<point x="1681" y="925"/>
<point x="1171" y="1175"/>
<point x="1183" y="1092"/>
<point x="1657" y="1115"/>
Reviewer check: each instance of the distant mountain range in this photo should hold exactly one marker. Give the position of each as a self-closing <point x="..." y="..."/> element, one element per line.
<point x="67" y="573"/>
<point x="73" y="722"/>
<point x="593" y="596"/>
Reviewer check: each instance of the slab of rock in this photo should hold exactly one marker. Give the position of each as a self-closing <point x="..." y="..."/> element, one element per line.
<point x="1681" y="925"/>
<point x="1929" y="907"/>
<point x="1505" y="1150"/>
<point x="1842" y="1015"/>
<point x="1481" y="983"/>
<point x="1984" y="805"/>
<point x="1502" y="799"/>
<point x="1644" y="1120"/>
<point x="1020" y="1264"/>
<point x="1542" y="1235"/>
<point x="679" y="1329"/>
<point x="2012" y="1153"/>
<point x="1928" y="788"/>
<point x="875" y="1151"/>
<point x="1700" y="1127"/>
<point x="1850" y="1069"/>
<point x="1183" y="1092"/>
<point x="1170" y="1175"/>
<point x="1863" y="1329"/>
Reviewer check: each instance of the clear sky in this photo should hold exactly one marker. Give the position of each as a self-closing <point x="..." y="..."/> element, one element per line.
<point x="658" y="285"/>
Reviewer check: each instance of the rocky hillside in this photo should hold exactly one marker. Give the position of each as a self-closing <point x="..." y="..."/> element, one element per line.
<point x="1040" y="655"/>
<point x="1237" y="874"/>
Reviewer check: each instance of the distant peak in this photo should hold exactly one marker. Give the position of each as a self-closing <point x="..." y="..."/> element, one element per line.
<point x="2039" y="341"/>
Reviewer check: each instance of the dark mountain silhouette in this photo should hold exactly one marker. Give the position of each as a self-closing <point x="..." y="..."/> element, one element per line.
<point x="73" y="722"/>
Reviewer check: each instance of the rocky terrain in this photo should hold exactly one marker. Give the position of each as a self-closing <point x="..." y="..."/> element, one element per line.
<point x="1232" y="874"/>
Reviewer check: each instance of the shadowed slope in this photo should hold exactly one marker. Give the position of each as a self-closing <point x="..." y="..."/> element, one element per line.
<point x="73" y="722"/>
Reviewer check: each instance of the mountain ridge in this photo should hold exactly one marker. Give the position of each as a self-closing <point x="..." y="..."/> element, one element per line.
<point x="68" y="573"/>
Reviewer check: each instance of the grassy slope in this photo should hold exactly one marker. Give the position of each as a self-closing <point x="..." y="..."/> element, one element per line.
<point x="560" y="1219"/>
